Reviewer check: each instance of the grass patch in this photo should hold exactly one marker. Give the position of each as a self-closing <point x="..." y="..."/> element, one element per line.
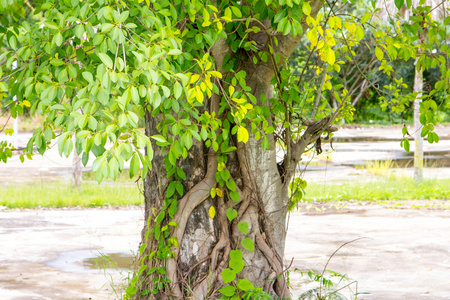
<point x="64" y="195"/>
<point x="122" y="177"/>
<point x="386" y="188"/>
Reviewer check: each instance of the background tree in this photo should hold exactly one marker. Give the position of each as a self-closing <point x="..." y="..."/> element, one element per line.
<point x="211" y="82"/>
<point x="420" y="13"/>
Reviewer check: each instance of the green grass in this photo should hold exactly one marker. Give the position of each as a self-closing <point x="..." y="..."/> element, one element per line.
<point x="120" y="194"/>
<point x="63" y="195"/>
<point x="386" y="188"/>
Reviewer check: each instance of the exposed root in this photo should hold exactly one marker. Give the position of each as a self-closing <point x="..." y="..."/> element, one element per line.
<point x="280" y="285"/>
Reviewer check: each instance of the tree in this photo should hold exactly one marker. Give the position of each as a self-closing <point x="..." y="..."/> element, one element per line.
<point x="418" y="12"/>
<point x="211" y="82"/>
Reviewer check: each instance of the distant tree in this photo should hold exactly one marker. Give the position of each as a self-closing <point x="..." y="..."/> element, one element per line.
<point x="420" y="13"/>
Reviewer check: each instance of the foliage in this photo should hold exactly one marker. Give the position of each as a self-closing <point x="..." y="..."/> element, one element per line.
<point x="201" y="71"/>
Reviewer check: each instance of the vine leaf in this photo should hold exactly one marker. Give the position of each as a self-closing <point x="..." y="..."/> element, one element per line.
<point x="228" y="291"/>
<point x="228" y="275"/>
<point x="231" y="214"/>
<point x="248" y="244"/>
<point x="212" y="212"/>
<point x="245" y="285"/>
<point x="243" y="227"/>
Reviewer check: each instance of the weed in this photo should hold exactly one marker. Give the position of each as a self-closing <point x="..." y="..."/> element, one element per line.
<point x="380" y="167"/>
<point x="330" y="288"/>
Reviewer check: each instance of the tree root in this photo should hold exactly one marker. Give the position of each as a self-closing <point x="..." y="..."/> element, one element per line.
<point x="280" y="285"/>
<point x="205" y="287"/>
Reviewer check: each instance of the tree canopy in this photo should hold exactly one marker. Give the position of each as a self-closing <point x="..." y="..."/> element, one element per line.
<point x="212" y="84"/>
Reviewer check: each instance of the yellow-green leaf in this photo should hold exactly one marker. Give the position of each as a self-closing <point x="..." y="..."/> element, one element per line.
<point x="212" y="212"/>
<point x="331" y="58"/>
<point x="379" y="53"/>
<point x="306" y="8"/>
<point x="213" y="193"/>
<point x="242" y="135"/>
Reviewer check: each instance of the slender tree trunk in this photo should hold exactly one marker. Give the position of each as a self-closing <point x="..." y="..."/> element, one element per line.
<point x="418" y="140"/>
<point x="76" y="167"/>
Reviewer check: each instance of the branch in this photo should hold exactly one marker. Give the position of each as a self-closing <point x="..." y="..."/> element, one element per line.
<point x="310" y="135"/>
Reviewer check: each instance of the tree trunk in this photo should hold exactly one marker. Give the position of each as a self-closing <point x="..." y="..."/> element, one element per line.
<point x="76" y="167"/>
<point x="204" y="242"/>
<point x="418" y="88"/>
<point x="193" y="269"/>
<point x="418" y="140"/>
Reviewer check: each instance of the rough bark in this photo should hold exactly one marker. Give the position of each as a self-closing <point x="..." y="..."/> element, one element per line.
<point x="205" y="243"/>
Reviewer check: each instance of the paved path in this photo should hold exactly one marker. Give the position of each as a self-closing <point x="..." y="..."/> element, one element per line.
<point x="406" y="254"/>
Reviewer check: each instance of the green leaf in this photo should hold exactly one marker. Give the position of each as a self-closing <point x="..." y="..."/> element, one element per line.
<point x="236" y="254"/>
<point x="106" y="60"/>
<point x="177" y="90"/>
<point x="228" y="275"/>
<point x="236" y="11"/>
<point x="79" y="30"/>
<point x="248" y="244"/>
<point x="50" y="24"/>
<point x="175" y="52"/>
<point x="135" y="95"/>
<point x="234" y="195"/>
<point x="228" y="290"/>
<point x="231" y="214"/>
<point x="56" y="62"/>
<point x="134" y="165"/>
<point x="237" y="265"/>
<point x="406" y="145"/>
<point x="122" y="120"/>
<point x="58" y="39"/>
<point x="243" y="227"/>
<point x="88" y="77"/>
<point x="435" y="137"/>
<point x="245" y="285"/>
<point x="13" y="42"/>
<point x="399" y="3"/>
<point x="83" y="133"/>
<point x="404" y="130"/>
<point x="231" y="185"/>
<point x="123" y="17"/>
<point x="159" y="138"/>
<point x="92" y="123"/>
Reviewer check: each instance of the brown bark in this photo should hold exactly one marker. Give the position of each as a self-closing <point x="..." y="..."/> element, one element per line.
<point x="205" y="243"/>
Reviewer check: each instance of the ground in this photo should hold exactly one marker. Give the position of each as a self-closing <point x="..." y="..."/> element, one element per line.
<point x="404" y="253"/>
<point x="47" y="254"/>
